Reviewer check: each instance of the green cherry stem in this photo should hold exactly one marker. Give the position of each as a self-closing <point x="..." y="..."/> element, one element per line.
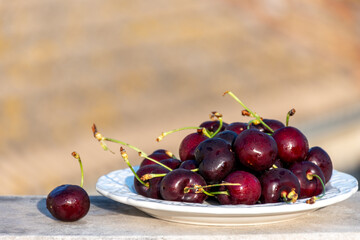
<point x="288" y="115"/>
<point x="200" y="129"/>
<point x="290" y="197"/>
<point x="159" y="138"/>
<point x="253" y="121"/>
<point x="201" y="189"/>
<point x="125" y="156"/>
<point x="219" y="116"/>
<point x="208" y="193"/>
<point x="314" y="198"/>
<point x="77" y="156"/>
<point x="142" y="154"/>
<point x="149" y="176"/>
<point x="247" y="109"/>
<point x="102" y="140"/>
<point x="220" y="193"/>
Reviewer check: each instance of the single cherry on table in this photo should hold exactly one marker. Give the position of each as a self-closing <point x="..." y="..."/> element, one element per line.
<point x="69" y="202"/>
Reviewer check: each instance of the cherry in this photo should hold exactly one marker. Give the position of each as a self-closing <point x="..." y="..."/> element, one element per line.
<point x="189" y="144"/>
<point x="158" y="155"/>
<point x="272" y="123"/>
<point x="163" y="152"/>
<point x="278" y="163"/>
<point x="149" y="187"/>
<point x="212" y="126"/>
<point x="255" y="150"/>
<point x="318" y="156"/>
<point x="292" y="144"/>
<point x="246" y="189"/>
<point x="279" y="184"/>
<point x="170" y="162"/>
<point x="190" y="164"/>
<point x="309" y="185"/>
<point x="237" y="127"/>
<point x="69" y="202"/>
<point x="228" y="136"/>
<point x="215" y="158"/>
<point x="178" y="185"/>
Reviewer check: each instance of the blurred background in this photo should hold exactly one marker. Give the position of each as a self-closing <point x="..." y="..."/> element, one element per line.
<point x="138" y="68"/>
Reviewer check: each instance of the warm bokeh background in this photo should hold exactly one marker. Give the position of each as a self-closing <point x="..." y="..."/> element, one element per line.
<point x="137" y="68"/>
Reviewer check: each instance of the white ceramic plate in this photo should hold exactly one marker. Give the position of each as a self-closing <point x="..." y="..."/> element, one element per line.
<point x="118" y="185"/>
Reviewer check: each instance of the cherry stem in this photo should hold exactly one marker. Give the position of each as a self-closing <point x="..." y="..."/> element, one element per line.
<point x="219" y="128"/>
<point x="142" y="154"/>
<point x="312" y="200"/>
<point x="200" y="189"/>
<point x="222" y="184"/>
<point x="125" y="156"/>
<point x="219" y="117"/>
<point x="149" y="176"/>
<point x="203" y="130"/>
<point x="288" y="115"/>
<point x="77" y="156"/>
<point x="207" y="193"/>
<point x="220" y="193"/>
<point x="158" y="139"/>
<point x="102" y="140"/>
<point x="253" y="121"/>
<point x="290" y="197"/>
<point x="247" y="109"/>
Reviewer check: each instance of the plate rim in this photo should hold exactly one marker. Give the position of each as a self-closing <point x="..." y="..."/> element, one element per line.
<point x="133" y="199"/>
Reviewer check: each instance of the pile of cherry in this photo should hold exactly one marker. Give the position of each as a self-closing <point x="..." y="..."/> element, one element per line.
<point x="254" y="162"/>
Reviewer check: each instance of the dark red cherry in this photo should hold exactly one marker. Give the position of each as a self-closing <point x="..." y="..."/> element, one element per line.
<point x="292" y="144"/>
<point x="308" y="188"/>
<point x="157" y="155"/>
<point x="237" y="127"/>
<point x="216" y="159"/>
<point x="272" y="123"/>
<point x="170" y="162"/>
<point x="278" y="163"/>
<point x="318" y="156"/>
<point x="277" y="184"/>
<point x="153" y="188"/>
<point x="247" y="192"/>
<point x="68" y="202"/>
<point x="255" y="150"/>
<point x="189" y="144"/>
<point x="189" y="164"/>
<point x="228" y="136"/>
<point x="212" y="126"/>
<point x="163" y="151"/>
<point x="178" y="185"/>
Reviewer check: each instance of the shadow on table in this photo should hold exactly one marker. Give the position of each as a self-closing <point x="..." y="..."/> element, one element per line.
<point x="116" y="207"/>
<point x="41" y="206"/>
